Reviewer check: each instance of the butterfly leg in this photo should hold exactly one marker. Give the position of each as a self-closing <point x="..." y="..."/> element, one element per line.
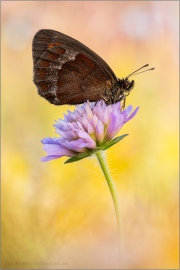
<point x="105" y="99"/>
<point x="123" y="103"/>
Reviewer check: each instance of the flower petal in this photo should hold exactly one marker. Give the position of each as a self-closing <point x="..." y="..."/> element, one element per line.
<point x="99" y="131"/>
<point x="128" y="109"/>
<point x="50" y="141"/>
<point x="132" y="114"/>
<point x="73" y="146"/>
<point x="48" y="158"/>
<point x="57" y="149"/>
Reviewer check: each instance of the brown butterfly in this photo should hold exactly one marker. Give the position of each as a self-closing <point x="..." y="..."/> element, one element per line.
<point x="68" y="72"/>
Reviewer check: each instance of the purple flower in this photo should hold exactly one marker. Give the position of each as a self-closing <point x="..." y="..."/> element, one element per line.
<point x="90" y="128"/>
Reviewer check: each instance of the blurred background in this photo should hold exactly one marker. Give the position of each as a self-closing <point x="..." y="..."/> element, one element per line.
<point x="58" y="216"/>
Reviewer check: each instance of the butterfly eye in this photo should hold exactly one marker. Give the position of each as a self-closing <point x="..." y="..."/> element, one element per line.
<point x="126" y="84"/>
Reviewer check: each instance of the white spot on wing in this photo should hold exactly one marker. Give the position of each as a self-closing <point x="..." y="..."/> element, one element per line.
<point x="69" y="55"/>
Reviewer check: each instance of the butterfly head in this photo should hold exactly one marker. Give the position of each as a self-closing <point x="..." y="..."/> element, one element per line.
<point x="123" y="88"/>
<point x="126" y="86"/>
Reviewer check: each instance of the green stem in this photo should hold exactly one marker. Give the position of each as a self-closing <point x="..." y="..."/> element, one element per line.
<point x="102" y="161"/>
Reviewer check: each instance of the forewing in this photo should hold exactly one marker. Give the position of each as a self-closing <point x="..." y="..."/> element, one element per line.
<point x="66" y="71"/>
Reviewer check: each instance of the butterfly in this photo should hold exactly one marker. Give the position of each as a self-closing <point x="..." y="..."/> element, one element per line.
<point x="68" y="72"/>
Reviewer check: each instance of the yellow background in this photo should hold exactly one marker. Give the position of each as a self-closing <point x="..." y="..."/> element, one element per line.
<point x="61" y="216"/>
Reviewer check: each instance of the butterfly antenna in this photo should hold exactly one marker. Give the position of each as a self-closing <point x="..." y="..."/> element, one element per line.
<point x="144" y="71"/>
<point x="133" y="73"/>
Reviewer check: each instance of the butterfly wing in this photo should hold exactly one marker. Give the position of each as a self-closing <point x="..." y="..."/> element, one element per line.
<point x="68" y="72"/>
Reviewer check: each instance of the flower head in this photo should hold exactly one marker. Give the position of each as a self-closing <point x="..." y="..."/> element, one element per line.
<point x="90" y="128"/>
